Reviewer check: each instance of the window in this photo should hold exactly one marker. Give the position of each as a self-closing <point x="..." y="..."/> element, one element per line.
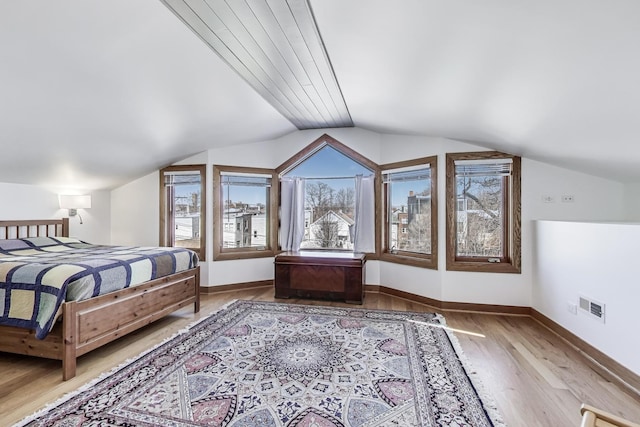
<point x="244" y="201"/>
<point x="182" y="204"/>
<point x="330" y="172"/>
<point x="483" y="212"/>
<point x="329" y="198"/>
<point x="409" y="193"/>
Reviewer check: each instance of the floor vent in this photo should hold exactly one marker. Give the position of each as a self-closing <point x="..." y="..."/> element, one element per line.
<point x="592" y="308"/>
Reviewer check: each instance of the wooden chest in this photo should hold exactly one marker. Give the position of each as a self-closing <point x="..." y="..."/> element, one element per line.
<point x="321" y="275"/>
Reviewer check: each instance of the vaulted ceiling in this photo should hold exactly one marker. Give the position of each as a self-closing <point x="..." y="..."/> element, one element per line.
<point x="95" y="93"/>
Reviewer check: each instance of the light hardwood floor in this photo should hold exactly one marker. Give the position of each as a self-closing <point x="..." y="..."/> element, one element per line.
<point x="535" y="378"/>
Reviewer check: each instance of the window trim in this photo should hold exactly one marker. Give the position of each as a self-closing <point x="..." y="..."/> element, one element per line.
<point x="512" y="262"/>
<point x="202" y="170"/>
<point x="219" y="252"/>
<point x="404" y="257"/>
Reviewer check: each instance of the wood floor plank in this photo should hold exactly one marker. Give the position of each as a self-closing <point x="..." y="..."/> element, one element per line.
<point x="535" y="378"/>
<point x="540" y="366"/>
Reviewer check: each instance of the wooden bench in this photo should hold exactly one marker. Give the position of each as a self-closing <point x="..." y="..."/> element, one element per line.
<point x="320" y="275"/>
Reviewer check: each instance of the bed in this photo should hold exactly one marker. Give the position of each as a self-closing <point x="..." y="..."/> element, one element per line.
<point x="66" y="329"/>
<point x="594" y="417"/>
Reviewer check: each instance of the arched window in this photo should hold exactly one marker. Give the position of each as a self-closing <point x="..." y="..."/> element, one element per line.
<point x="333" y="202"/>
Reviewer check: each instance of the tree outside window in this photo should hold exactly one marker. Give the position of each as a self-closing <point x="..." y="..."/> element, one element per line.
<point x="482" y="220"/>
<point x="483" y="212"/>
<point x="329" y="197"/>
<point x="410" y="212"/>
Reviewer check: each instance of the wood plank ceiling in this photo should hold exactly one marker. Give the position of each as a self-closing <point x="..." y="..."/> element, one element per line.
<point x="276" y="47"/>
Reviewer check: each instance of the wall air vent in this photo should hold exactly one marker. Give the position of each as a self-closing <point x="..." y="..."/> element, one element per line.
<point x="592" y="308"/>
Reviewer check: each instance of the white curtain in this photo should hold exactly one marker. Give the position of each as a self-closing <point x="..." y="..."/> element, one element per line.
<point x="364" y="239"/>
<point x="291" y="213"/>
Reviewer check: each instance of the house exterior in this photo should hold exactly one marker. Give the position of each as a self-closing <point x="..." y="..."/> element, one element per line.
<point x="250" y="230"/>
<point x="399" y="227"/>
<point x="331" y="230"/>
<point x="417" y="204"/>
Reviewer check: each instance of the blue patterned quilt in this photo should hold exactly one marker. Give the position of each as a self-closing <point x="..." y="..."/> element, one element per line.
<point x="38" y="274"/>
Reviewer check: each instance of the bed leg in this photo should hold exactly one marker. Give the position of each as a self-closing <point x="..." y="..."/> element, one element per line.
<point x="68" y="340"/>
<point x="68" y="368"/>
<point x="196" y="304"/>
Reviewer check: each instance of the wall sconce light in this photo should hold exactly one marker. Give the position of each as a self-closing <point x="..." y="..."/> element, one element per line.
<point x="75" y="202"/>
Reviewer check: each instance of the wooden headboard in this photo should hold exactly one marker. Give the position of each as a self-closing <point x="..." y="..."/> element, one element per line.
<point x="34" y="228"/>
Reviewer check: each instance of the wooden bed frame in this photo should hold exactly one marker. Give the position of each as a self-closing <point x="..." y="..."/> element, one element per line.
<point x="89" y="324"/>
<point x="594" y="417"/>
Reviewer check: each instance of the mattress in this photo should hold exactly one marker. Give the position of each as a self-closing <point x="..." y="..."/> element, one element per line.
<point x="38" y="274"/>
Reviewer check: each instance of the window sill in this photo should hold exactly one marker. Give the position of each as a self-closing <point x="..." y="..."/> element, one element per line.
<point x="415" y="261"/>
<point x="226" y="256"/>
<point x="483" y="267"/>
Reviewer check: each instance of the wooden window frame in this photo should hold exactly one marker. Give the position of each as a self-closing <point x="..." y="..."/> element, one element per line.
<point x="165" y="218"/>
<point x="326" y="140"/>
<point x="511" y="262"/>
<point x="219" y="252"/>
<point x="404" y="257"/>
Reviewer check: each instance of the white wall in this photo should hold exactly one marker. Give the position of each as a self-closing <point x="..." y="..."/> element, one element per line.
<point x="271" y="154"/>
<point x="96" y="226"/>
<point x="365" y="142"/>
<point x="598" y="261"/>
<point x="594" y="199"/>
<point x="135" y="212"/>
<point x="134" y="206"/>
<point x="416" y="280"/>
<point x="632" y="201"/>
<point x="561" y="257"/>
<point x="22" y="201"/>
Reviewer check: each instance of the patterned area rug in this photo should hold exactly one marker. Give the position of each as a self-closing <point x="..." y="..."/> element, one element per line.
<point x="272" y="364"/>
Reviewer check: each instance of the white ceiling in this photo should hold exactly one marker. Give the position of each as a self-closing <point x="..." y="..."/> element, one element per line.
<point x="95" y="93"/>
<point x="276" y="47"/>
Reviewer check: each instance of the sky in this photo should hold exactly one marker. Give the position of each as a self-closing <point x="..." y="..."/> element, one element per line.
<point x="328" y="162"/>
<point x="325" y="163"/>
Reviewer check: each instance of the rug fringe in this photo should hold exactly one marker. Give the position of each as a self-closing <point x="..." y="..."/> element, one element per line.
<point x="488" y="402"/>
<point x="106" y="374"/>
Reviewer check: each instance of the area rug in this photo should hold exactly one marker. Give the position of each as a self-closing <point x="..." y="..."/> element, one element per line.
<point x="271" y="364"/>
